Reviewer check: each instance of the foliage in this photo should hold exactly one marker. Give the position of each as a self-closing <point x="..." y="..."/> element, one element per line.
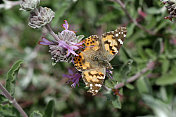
<point x="36" y="114"/>
<point x="11" y="77"/>
<point x="42" y="91"/>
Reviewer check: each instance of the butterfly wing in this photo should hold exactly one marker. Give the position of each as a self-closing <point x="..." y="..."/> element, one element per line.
<point x="92" y="74"/>
<point x="94" y="79"/>
<point x="112" y="41"/>
<point x="83" y="61"/>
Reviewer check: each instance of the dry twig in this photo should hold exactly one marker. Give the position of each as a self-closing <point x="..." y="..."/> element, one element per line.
<point x="133" y="20"/>
<point x="9" y="4"/>
<point x="12" y="100"/>
<point x="149" y="66"/>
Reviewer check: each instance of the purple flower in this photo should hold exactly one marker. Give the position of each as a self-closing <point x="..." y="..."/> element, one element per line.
<point x="68" y="40"/>
<point x="73" y="77"/>
<point x="65" y="46"/>
<point x="71" y="48"/>
<point x="66" y="25"/>
<point x="109" y="73"/>
<point x="45" y="42"/>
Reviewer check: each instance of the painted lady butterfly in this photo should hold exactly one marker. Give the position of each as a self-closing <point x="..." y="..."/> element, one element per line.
<point x="94" y="59"/>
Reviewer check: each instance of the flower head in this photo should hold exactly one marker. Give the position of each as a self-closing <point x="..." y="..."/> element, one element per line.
<point x="73" y="77"/>
<point x="40" y="17"/>
<point x="28" y="5"/>
<point x="65" y="46"/>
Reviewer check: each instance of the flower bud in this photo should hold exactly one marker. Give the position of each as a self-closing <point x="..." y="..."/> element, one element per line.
<point x="28" y="5"/>
<point x="40" y="17"/>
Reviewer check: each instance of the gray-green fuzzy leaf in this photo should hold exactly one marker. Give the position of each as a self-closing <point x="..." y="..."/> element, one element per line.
<point x="12" y="75"/>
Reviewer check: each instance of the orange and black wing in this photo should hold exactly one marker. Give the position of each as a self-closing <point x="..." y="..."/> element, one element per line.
<point x="94" y="79"/>
<point x="112" y="41"/>
<point x="91" y="44"/>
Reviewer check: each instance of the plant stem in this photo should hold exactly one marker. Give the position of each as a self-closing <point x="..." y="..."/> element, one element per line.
<point x="48" y="27"/>
<point x="9" y="4"/>
<point x="133" y="20"/>
<point x="149" y="66"/>
<point x="12" y="100"/>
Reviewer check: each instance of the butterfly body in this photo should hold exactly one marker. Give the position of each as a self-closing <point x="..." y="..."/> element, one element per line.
<point x="94" y="59"/>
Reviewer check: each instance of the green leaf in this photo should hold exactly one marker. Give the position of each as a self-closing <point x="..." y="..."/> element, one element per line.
<point x="80" y="37"/>
<point x="165" y="65"/>
<point x="158" y="46"/>
<point x="117" y="76"/>
<point x="61" y="9"/>
<point x="151" y="54"/>
<point x="49" y="109"/>
<point x="129" y="86"/>
<point x="115" y="100"/>
<point x="126" y="68"/>
<point x="160" y="26"/>
<point x="159" y="107"/>
<point x="154" y="10"/>
<point x="8" y="111"/>
<point x="163" y="93"/>
<point x="127" y="54"/>
<point x="107" y="18"/>
<point x="142" y="85"/>
<point x="36" y="114"/>
<point x="167" y="79"/>
<point x="11" y="76"/>
<point x="61" y="105"/>
<point x="130" y="30"/>
<point x="90" y="8"/>
<point x="116" y="103"/>
<point x="53" y="63"/>
<point x="109" y="84"/>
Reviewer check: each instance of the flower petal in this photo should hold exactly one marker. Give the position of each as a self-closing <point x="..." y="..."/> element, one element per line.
<point x="73" y="52"/>
<point x="75" y="47"/>
<point x="45" y="42"/>
<point x="73" y="77"/>
<point x="66" y="25"/>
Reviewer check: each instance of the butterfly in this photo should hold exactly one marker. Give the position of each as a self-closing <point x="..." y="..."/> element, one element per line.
<point x="94" y="59"/>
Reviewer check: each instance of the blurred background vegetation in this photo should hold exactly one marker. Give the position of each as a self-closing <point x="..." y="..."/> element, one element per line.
<point x="152" y="95"/>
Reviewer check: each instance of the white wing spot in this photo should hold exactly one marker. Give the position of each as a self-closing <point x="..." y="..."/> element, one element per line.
<point x="124" y="35"/>
<point x="96" y="91"/>
<point x="91" y="85"/>
<point x="121" y="42"/>
<point x="117" y="35"/>
<point x="98" y="85"/>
